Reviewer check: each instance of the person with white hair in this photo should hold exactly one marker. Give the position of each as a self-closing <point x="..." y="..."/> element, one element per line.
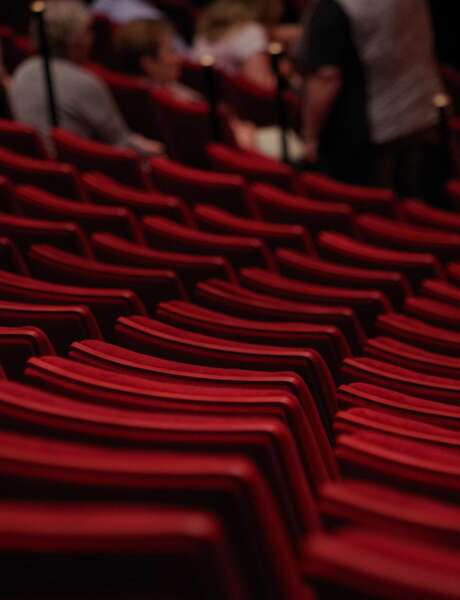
<point x="84" y="104"/>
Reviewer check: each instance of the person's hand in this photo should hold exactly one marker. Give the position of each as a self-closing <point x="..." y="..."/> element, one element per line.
<point x="311" y="152"/>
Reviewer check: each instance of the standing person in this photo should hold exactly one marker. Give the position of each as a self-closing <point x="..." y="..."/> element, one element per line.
<point x="371" y="78"/>
<point x="84" y="104"/>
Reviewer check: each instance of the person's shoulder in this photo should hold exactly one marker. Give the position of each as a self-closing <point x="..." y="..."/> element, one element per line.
<point x="86" y="80"/>
<point x="251" y="29"/>
<point x="26" y="68"/>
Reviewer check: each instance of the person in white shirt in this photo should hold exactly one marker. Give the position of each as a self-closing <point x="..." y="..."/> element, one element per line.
<point x="124" y="11"/>
<point x="235" y="33"/>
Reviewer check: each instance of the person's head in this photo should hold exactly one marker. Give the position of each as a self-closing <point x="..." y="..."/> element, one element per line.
<point x="67" y="24"/>
<point x="224" y="15"/>
<point x="146" y="47"/>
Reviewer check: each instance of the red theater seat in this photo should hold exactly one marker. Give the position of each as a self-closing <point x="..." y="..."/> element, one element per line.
<point x="250" y="165"/>
<point x="231" y="487"/>
<point x="54" y="177"/>
<point x="172" y="552"/>
<point x="278" y="206"/>
<point x="412" y="357"/>
<point x="238" y="301"/>
<point x="11" y="258"/>
<point x="37" y="203"/>
<point x="146" y="335"/>
<point x="87" y="155"/>
<point x="441" y="290"/>
<point x="309" y="268"/>
<point x="432" y="311"/>
<point x="198" y="185"/>
<point x="368" y="304"/>
<point x="415" y="265"/>
<point x="360" y="198"/>
<point x="218" y="220"/>
<point x="22" y="139"/>
<point x="104" y="190"/>
<point x="391" y="234"/>
<point x="419" y="213"/>
<point x="327" y="340"/>
<point x="152" y="285"/>
<point x="191" y="268"/>
<point x="106" y="304"/>
<point x="62" y="324"/>
<point x="27" y="231"/>
<point x="164" y="234"/>
<point x="18" y="344"/>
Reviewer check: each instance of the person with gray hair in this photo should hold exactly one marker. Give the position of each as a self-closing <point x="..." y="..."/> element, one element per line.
<point x="84" y="104"/>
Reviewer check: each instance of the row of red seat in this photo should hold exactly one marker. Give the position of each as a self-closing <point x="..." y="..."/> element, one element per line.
<point x="321" y="460"/>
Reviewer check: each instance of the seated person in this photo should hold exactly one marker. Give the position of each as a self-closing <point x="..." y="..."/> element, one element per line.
<point x="84" y="104"/>
<point x="236" y="33"/>
<point x="145" y="49"/>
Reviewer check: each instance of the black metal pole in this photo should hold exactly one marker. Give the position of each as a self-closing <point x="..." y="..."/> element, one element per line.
<point x="207" y="62"/>
<point x="276" y="52"/>
<point x="37" y="10"/>
<point x="442" y="103"/>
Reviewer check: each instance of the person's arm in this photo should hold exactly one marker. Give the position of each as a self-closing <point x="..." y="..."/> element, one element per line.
<point x="321" y="89"/>
<point x="324" y="47"/>
<point x="257" y="68"/>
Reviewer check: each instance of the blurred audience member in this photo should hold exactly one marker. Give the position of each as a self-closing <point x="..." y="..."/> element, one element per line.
<point x="85" y="106"/>
<point x="236" y="33"/>
<point x="123" y="11"/>
<point x="370" y="83"/>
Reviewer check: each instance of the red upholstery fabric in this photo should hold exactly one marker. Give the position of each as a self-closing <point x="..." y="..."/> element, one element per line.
<point x="18" y="344"/>
<point x="22" y="139"/>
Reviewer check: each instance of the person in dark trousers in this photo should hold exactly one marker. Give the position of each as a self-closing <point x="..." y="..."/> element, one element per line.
<point x="371" y="78"/>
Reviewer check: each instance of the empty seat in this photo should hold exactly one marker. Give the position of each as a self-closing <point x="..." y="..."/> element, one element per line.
<point x="218" y="220"/>
<point x="408" y="465"/>
<point x="254" y="305"/>
<point x="417" y="332"/>
<point x="419" y="213"/>
<point x="105" y="190"/>
<point x="38" y="203"/>
<point x="62" y="324"/>
<point x="144" y="335"/>
<point x="278" y="206"/>
<point x="18" y="344"/>
<point x="433" y="311"/>
<point x="391" y="234"/>
<point x="172" y="552"/>
<point x="197" y="185"/>
<point x="362" y="420"/>
<point x="230" y="487"/>
<point x="453" y="273"/>
<point x="152" y="285"/>
<point x="376" y="372"/>
<point x="327" y="340"/>
<point x="152" y="429"/>
<point x="190" y="268"/>
<point x="361" y="563"/>
<point x="11" y="258"/>
<point x="106" y="304"/>
<point x="374" y="506"/>
<point x="389" y="401"/>
<point x="441" y="290"/>
<point x="27" y="231"/>
<point x="250" y="165"/>
<point x="56" y="178"/>
<point x="360" y="198"/>
<point x="412" y="357"/>
<point x="87" y="155"/>
<point x="246" y="392"/>
<point x="415" y="265"/>
<point x="368" y="304"/>
<point x="164" y="234"/>
<point x="22" y="138"/>
<point x="303" y="267"/>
